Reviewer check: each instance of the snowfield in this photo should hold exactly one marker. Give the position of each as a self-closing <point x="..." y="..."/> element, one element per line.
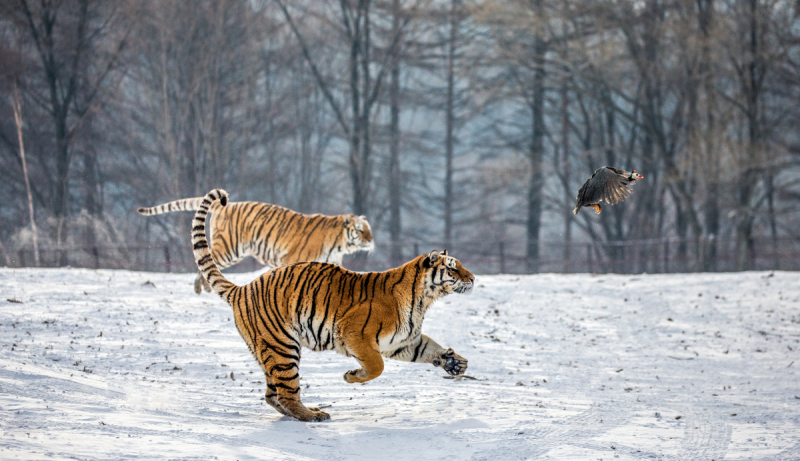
<point x="130" y="365"/>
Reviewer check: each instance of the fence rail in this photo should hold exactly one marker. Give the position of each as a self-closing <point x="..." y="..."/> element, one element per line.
<point x="652" y="256"/>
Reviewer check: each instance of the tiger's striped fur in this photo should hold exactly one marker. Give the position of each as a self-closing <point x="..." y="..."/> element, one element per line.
<point x="323" y="306"/>
<point x="273" y="235"/>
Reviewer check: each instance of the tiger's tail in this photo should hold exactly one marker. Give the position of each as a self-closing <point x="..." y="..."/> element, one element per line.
<point x="186" y="204"/>
<point x="202" y="255"/>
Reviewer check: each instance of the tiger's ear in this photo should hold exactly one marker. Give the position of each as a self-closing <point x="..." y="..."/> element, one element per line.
<point x="348" y="219"/>
<point x="433" y="256"/>
<point x="444" y="253"/>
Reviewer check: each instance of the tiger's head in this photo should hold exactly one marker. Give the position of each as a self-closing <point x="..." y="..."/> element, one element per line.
<point x="357" y="234"/>
<point x="446" y="275"/>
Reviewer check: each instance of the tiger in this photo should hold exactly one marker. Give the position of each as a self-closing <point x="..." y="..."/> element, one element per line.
<point x="275" y="236"/>
<point x="322" y="306"/>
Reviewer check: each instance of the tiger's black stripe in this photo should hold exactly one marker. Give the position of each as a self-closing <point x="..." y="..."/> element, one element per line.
<point x="322" y="306"/>
<point x="273" y="235"/>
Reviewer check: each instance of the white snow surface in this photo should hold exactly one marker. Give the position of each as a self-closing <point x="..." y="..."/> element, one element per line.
<point x="131" y="365"/>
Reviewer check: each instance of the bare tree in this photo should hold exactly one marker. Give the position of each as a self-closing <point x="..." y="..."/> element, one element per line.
<point x="466" y="122"/>
<point x="363" y="87"/>
<point x="452" y="43"/>
<point x="395" y="174"/>
<point x="71" y="75"/>
<point x="521" y="30"/>
<point x="16" y="103"/>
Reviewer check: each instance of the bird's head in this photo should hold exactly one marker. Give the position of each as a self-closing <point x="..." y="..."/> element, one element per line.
<point x="635" y="175"/>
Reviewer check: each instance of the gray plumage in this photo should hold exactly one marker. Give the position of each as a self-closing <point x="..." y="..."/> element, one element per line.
<point x="607" y="184"/>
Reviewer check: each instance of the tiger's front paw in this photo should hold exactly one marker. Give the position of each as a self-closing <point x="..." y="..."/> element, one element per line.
<point x="452" y="363"/>
<point x="352" y="376"/>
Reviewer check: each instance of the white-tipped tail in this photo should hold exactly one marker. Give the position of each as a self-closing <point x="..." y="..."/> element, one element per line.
<point x="202" y="254"/>
<point x="186" y="204"/>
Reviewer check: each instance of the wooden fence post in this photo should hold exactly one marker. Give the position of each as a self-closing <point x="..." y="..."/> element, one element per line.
<point x="21" y="254"/>
<point x="589" y="256"/>
<point x="96" y="255"/>
<point x="666" y="256"/>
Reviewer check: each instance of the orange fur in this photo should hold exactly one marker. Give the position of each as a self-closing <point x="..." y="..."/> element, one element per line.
<point x="323" y="306"/>
<point x="273" y="235"/>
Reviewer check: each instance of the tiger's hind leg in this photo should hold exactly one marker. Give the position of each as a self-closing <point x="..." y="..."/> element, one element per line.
<point x="271" y="397"/>
<point x="284" y="373"/>
<point x="283" y="381"/>
<point x="200" y="283"/>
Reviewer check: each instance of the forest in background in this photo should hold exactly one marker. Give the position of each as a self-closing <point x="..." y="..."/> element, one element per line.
<point x="460" y="124"/>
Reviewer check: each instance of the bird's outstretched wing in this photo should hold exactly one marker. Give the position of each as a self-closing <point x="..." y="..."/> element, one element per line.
<point x="605" y="185"/>
<point x="609" y="186"/>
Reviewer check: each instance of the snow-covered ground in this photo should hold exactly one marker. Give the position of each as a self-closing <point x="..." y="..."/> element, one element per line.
<point x="127" y="365"/>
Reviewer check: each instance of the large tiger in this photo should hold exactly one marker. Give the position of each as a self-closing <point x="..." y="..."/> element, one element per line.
<point x="323" y="306"/>
<point x="273" y="235"/>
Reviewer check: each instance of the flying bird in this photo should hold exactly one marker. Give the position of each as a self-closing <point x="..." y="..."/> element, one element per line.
<point x="607" y="184"/>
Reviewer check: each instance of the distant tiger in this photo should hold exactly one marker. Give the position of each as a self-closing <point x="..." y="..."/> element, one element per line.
<point x="326" y="307"/>
<point x="273" y="235"/>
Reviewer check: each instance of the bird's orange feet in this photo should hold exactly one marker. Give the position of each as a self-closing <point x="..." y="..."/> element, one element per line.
<point x="597" y="208"/>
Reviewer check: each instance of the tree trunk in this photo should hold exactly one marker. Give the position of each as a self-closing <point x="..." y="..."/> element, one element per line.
<point x="536" y="150"/>
<point x="565" y="169"/>
<point x="449" y="121"/>
<point x="355" y="137"/>
<point x="306" y="172"/>
<point x="70" y="88"/>
<point x="395" y="186"/>
<point x="711" y="212"/>
<point x="711" y="160"/>
<point x="363" y="91"/>
<point x="62" y="184"/>
<point x="60" y="110"/>
<point x="773" y="227"/>
<point x="90" y="179"/>
<point x="365" y="173"/>
<point x="745" y="246"/>
<point x="682" y="229"/>
<point x="17" y="105"/>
